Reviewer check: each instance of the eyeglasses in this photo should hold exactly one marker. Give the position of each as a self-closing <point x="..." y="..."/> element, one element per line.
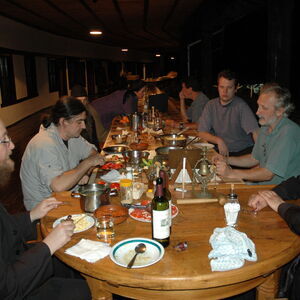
<point x="6" y="140"/>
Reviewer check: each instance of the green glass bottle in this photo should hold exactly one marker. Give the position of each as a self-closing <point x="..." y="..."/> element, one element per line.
<point x="160" y="215"/>
<point x="167" y="193"/>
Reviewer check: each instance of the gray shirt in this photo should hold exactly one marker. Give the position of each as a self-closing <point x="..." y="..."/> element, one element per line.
<point x="195" y="110"/>
<point x="46" y="157"/>
<point x="232" y="122"/>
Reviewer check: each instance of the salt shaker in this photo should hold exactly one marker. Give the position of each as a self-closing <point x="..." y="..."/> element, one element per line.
<point x="232" y="208"/>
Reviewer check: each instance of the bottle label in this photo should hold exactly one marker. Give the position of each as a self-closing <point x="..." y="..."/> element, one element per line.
<point x="161" y="226"/>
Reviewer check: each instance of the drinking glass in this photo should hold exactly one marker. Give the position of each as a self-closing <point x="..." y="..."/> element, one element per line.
<point x="105" y="228"/>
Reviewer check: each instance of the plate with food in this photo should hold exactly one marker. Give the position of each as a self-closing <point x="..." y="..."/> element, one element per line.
<point x="82" y="222"/>
<point x="122" y="252"/>
<point x="202" y="145"/>
<point x="112" y="166"/>
<point x="144" y="214"/>
<point x="114" y="158"/>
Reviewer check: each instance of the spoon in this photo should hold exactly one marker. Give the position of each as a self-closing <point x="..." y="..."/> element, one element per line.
<point x="140" y="248"/>
<point x="182" y="131"/>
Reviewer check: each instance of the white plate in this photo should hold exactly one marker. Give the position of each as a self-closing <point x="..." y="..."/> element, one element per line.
<point x="122" y="252"/>
<point x="200" y="145"/>
<point x="82" y="225"/>
<point x="146" y="217"/>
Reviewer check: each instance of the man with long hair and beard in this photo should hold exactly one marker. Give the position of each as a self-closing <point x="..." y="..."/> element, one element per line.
<point x="28" y="271"/>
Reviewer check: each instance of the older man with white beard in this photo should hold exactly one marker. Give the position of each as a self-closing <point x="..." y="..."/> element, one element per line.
<point x="275" y="156"/>
<point x="28" y="270"/>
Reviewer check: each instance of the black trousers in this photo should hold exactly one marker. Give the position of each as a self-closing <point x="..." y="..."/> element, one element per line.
<point x="66" y="283"/>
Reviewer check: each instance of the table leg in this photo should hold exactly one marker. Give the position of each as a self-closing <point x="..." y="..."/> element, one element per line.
<point x="269" y="288"/>
<point x="95" y="287"/>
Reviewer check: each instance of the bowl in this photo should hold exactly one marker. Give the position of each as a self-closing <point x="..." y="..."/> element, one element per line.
<point x="114" y="149"/>
<point x="119" y="138"/>
<point x="174" y="140"/>
<point x="135" y="156"/>
<point x="118" y="212"/>
<point x="165" y="150"/>
<point x="139" y="146"/>
<point x="202" y="145"/>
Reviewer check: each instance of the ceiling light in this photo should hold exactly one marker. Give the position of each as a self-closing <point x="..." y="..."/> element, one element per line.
<point x="124" y="50"/>
<point x="157" y="55"/>
<point x="95" y="32"/>
<point x="172" y="57"/>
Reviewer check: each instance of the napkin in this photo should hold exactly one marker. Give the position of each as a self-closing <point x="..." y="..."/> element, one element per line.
<point x="230" y="249"/>
<point x="88" y="250"/>
<point x="111" y="176"/>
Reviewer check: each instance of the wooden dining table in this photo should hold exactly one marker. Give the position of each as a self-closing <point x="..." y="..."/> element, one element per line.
<point x="186" y="274"/>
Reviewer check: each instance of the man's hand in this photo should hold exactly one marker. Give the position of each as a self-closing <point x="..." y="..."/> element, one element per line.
<point x="257" y="202"/>
<point x="95" y="160"/>
<point x="59" y="236"/>
<point x="271" y="198"/>
<point x="42" y="208"/>
<point x="223" y="150"/>
<point x="223" y="169"/>
<point x="218" y="157"/>
<point x="84" y="180"/>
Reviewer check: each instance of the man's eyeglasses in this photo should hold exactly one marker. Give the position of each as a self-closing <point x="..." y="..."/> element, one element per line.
<point x="6" y="140"/>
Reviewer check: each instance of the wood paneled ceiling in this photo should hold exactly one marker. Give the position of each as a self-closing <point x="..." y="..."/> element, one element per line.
<point x="140" y="24"/>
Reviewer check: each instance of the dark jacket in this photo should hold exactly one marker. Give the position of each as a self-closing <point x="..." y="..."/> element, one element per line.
<point x="290" y="190"/>
<point x="23" y="267"/>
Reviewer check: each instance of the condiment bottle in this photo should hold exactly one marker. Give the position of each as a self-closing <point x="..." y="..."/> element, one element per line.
<point x="232" y="208"/>
<point x="160" y="215"/>
<point x="126" y="191"/>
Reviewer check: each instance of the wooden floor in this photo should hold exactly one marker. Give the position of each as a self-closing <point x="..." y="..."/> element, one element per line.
<point x="20" y="133"/>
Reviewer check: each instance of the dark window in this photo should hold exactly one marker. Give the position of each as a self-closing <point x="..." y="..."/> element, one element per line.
<point x="30" y="71"/>
<point x="76" y="72"/>
<point x="7" y="80"/>
<point x="52" y="75"/>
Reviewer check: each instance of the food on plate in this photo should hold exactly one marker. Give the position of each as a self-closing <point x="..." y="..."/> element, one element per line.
<point x="124" y="120"/>
<point x="112" y="165"/>
<point x="144" y="215"/>
<point x="115" y="185"/>
<point x="178" y="138"/>
<point x="139" y="146"/>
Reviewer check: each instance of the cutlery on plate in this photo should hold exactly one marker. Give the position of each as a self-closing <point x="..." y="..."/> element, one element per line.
<point x="140" y="248"/>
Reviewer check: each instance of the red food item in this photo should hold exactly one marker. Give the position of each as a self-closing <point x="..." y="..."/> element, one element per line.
<point x="145" y="202"/>
<point x="111" y="165"/>
<point x="115" y="185"/>
<point x="101" y="182"/>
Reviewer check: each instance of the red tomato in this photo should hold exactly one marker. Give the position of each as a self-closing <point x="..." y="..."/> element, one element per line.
<point x="115" y="185"/>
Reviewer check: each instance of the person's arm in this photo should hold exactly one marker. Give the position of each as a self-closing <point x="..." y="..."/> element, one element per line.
<point x="289" y="189"/>
<point x="245" y="161"/>
<point x="183" y="113"/>
<point x="68" y="179"/>
<point x="223" y="150"/>
<point x="253" y="174"/>
<point x="254" y="135"/>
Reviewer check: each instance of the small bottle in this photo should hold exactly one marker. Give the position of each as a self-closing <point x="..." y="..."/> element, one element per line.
<point x="126" y="191"/>
<point x="232" y="208"/>
<point x="160" y="216"/>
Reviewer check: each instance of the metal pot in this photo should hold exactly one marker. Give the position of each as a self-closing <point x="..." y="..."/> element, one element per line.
<point x="92" y="196"/>
<point x="165" y="150"/>
<point x="173" y="140"/>
<point x="135" y="156"/>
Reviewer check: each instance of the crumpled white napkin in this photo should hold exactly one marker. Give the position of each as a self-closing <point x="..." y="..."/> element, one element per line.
<point x="89" y="250"/>
<point x="112" y="176"/>
<point x="230" y="249"/>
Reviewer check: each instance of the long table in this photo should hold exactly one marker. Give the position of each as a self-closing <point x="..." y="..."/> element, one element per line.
<point x="187" y="273"/>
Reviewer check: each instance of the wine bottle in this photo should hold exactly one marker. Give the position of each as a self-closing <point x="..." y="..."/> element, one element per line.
<point x="167" y="193"/>
<point x="160" y="215"/>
